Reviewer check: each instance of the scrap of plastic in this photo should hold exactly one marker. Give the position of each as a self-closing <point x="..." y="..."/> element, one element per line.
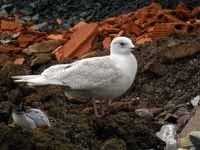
<point x="195" y="101"/>
<point x="167" y="134"/>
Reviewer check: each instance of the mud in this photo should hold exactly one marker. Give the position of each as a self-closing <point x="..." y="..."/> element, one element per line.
<point x="167" y="84"/>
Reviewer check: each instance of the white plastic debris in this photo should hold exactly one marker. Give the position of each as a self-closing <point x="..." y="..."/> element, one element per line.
<point x="195" y="101"/>
<point x="167" y="134"/>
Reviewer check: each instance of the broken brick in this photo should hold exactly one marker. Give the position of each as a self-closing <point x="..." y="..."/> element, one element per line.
<point x="182" y="12"/>
<point x="106" y="42"/>
<point x="9" y="25"/>
<point x="131" y="28"/>
<point x="19" y="61"/>
<point x="9" y="48"/>
<point x="25" y="39"/>
<point x="55" y="37"/>
<point x="78" y="38"/>
<point x="143" y="40"/>
<point x="59" y="54"/>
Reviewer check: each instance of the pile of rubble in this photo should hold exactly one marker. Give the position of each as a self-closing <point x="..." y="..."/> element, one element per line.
<point x="145" y="25"/>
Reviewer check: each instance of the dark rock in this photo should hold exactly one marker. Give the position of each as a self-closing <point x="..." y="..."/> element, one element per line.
<point x="41" y="59"/>
<point x="114" y="144"/>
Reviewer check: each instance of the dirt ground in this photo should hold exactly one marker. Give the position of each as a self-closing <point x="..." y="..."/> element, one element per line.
<point x="164" y="86"/>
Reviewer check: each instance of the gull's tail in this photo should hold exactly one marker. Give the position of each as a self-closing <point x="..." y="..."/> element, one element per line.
<point x="32" y="80"/>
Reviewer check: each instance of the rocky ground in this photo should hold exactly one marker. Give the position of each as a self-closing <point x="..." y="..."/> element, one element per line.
<point x="164" y="86"/>
<point x="167" y="79"/>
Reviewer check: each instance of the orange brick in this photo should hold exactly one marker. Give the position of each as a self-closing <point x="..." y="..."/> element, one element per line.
<point x="9" y="25"/>
<point x="9" y="48"/>
<point x="19" y="61"/>
<point x="106" y="42"/>
<point x="78" y="38"/>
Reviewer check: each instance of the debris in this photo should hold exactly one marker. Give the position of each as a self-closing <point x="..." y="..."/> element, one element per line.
<point x="143" y="112"/>
<point x="192" y="125"/>
<point x="55" y="37"/>
<point x="41" y="59"/>
<point x="25" y="39"/>
<point x="42" y="47"/>
<point x="10" y="25"/>
<point x="106" y="42"/>
<point x="39" y="26"/>
<point x="80" y="41"/>
<point x="19" y="61"/>
<point x="190" y="140"/>
<point x="9" y="48"/>
<point x="114" y="144"/>
<point x="168" y="135"/>
<point x="195" y="101"/>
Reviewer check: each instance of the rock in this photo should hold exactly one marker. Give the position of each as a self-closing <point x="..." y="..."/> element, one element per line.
<point x="2" y="12"/>
<point x="144" y="112"/>
<point x="192" y="125"/>
<point x="35" y="17"/>
<point x="42" y="47"/>
<point x="26" y="18"/>
<point x="40" y="26"/>
<point x="114" y="144"/>
<point x="27" y="11"/>
<point x="184" y="49"/>
<point x="41" y="59"/>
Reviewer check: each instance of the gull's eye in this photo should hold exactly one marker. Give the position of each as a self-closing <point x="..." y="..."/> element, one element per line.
<point x="122" y="44"/>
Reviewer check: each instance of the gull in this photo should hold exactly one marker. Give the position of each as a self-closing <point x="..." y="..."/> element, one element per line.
<point x="98" y="77"/>
<point x="29" y="119"/>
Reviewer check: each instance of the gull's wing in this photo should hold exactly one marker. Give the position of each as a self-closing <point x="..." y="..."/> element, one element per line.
<point x="84" y="74"/>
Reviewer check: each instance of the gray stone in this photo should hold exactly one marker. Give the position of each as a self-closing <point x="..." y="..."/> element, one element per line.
<point x="41" y="59"/>
<point x="35" y="17"/>
<point x="39" y="26"/>
<point x="144" y="112"/>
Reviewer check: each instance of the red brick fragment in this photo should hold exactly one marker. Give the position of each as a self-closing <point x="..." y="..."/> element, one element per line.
<point x="9" y="25"/>
<point x="106" y="42"/>
<point x="55" y="37"/>
<point x="78" y="38"/>
<point x="182" y="12"/>
<point x="19" y="61"/>
<point x="25" y="39"/>
<point x="9" y="48"/>
<point x="131" y="28"/>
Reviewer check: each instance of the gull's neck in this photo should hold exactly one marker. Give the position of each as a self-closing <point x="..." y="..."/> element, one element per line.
<point x="126" y="62"/>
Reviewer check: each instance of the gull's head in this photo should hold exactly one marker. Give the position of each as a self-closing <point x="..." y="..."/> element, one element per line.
<point x="122" y="45"/>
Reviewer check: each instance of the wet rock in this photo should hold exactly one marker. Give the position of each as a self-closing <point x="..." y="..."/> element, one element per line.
<point x="114" y="144"/>
<point x="41" y="59"/>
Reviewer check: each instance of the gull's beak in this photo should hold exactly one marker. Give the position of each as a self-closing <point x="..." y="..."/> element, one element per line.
<point x="132" y="48"/>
